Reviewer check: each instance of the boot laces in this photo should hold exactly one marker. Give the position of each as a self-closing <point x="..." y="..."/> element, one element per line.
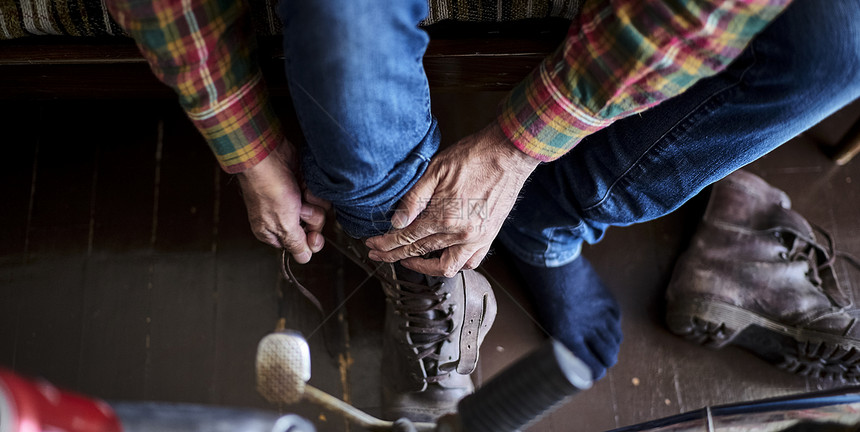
<point x="428" y="321"/>
<point x="819" y="257"/>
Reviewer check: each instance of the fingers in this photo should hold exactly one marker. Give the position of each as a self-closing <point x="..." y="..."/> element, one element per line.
<point x="268" y="238"/>
<point x="280" y="213"/>
<point x="477" y="258"/>
<point x="408" y="236"/>
<point x="296" y="243"/>
<point x="313" y="216"/>
<point x="448" y="264"/>
<point x="419" y="248"/>
<point x="414" y="201"/>
<point x="316" y="241"/>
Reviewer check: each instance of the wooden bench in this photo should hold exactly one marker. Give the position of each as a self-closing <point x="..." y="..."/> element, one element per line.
<point x="461" y="57"/>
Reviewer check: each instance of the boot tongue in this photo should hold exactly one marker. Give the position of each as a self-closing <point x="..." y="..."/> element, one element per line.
<point x="412" y="276"/>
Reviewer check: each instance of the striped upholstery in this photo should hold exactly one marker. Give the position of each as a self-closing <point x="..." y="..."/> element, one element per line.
<point x="19" y="18"/>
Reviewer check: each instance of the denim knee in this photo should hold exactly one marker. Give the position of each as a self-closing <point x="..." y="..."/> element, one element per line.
<point x="364" y="195"/>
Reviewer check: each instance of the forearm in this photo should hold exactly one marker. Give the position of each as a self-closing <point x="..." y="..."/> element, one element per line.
<point x="622" y="57"/>
<point x="205" y="50"/>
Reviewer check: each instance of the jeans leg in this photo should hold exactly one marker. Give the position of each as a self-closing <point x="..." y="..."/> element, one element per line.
<point x="799" y="70"/>
<point x="357" y="81"/>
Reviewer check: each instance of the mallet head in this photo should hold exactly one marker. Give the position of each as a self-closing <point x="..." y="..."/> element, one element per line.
<point x="283" y="367"/>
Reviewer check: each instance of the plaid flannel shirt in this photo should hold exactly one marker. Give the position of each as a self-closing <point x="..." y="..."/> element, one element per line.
<point x="206" y="51"/>
<point x="620" y="57"/>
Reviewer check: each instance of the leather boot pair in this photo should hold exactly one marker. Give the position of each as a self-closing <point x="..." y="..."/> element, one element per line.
<point x="434" y="327"/>
<point x="757" y="275"/>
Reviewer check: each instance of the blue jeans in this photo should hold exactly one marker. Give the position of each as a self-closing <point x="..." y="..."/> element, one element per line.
<point x="356" y="78"/>
<point x="799" y="70"/>
<point x="362" y="98"/>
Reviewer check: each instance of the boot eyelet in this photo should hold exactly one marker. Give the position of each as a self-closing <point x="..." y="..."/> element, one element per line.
<point x="779" y="237"/>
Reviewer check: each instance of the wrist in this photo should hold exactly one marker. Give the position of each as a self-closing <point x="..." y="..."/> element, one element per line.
<point x="282" y="157"/>
<point x="511" y="156"/>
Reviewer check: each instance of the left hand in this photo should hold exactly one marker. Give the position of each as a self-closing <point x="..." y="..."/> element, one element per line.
<point x="458" y="206"/>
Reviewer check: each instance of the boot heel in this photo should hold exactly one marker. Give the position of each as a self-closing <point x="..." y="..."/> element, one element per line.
<point x="701" y="323"/>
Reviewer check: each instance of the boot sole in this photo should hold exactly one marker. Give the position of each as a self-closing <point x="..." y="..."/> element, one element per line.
<point x="796" y="350"/>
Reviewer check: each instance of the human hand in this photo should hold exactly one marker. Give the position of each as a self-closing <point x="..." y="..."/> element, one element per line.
<point x="277" y="208"/>
<point x="458" y="206"/>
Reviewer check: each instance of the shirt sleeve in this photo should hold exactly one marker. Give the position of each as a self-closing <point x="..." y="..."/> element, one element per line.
<point x="622" y="57"/>
<point x="206" y="51"/>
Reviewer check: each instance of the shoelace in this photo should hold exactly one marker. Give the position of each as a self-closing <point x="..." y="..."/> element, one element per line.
<point x="413" y="301"/>
<point x="427" y="321"/>
<point x="820" y="258"/>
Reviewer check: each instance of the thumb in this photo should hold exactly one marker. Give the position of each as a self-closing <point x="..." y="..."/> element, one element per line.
<point x="414" y="202"/>
<point x="296" y="243"/>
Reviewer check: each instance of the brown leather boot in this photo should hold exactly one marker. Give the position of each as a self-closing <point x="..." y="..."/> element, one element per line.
<point x="434" y="327"/>
<point x="755" y="275"/>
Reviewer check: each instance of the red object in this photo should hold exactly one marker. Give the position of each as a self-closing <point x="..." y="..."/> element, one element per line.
<point x="37" y="406"/>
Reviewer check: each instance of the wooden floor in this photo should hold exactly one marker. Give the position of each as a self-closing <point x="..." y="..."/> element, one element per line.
<point x="128" y="272"/>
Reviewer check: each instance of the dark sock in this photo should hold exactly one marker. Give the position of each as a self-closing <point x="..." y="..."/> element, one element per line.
<point x="574" y="306"/>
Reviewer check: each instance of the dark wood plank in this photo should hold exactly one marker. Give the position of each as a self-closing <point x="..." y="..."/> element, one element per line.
<point x="247" y="310"/>
<point x="181" y="365"/>
<point x="365" y="311"/>
<point x="28" y="82"/>
<point x="49" y="325"/>
<point x="117" y="298"/>
<point x="19" y="123"/>
<point x="849" y="145"/>
<point x="473" y="57"/>
<point x="9" y="312"/>
<point x="116" y="311"/>
<point x="69" y="50"/>
<point x="127" y="142"/>
<point x="234" y="230"/>
<point x="52" y="283"/>
<point x="60" y="221"/>
<point x="187" y="199"/>
<point x="181" y="357"/>
<point x="131" y="80"/>
<point x="448" y="39"/>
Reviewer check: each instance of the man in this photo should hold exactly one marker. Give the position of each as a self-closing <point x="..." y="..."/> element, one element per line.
<point x="356" y="79"/>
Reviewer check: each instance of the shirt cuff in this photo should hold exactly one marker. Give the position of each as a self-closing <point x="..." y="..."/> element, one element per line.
<point x="541" y="121"/>
<point x="241" y="128"/>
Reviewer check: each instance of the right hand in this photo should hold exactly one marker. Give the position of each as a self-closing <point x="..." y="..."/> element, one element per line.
<point x="277" y="208"/>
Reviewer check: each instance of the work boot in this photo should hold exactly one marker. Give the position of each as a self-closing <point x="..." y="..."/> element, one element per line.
<point x="756" y="275"/>
<point x="434" y="327"/>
